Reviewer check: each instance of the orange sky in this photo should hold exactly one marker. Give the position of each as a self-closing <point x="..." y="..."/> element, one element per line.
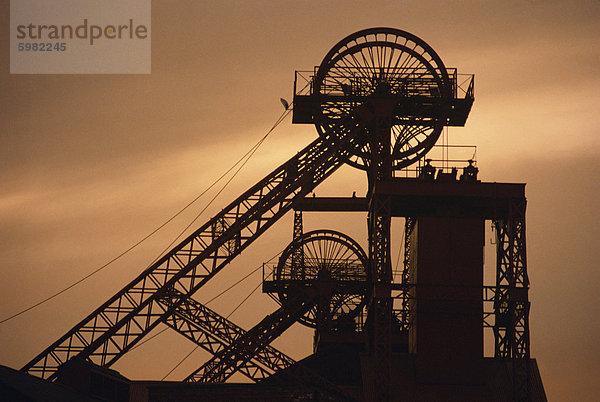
<point x="91" y="164"/>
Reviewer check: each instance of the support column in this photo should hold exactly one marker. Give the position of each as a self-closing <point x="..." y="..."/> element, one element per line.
<point x="408" y="293"/>
<point x="511" y="306"/>
<point x="379" y="220"/>
<point x="298" y="253"/>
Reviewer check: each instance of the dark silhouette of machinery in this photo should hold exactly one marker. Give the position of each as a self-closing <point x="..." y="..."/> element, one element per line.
<point x="380" y="100"/>
<point x="331" y="261"/>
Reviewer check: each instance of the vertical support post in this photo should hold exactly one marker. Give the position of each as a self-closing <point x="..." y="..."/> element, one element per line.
<point x="298" y="230"/>
<point x="511" y="305"/>
<point x="298" y="254"/>
<point x="379" y="220"/>
<point x="409" y="226"/>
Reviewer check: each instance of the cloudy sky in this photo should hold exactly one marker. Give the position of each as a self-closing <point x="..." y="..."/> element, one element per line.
<point x="90" y="164"/>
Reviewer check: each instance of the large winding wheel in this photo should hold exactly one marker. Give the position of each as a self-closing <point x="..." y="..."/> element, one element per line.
<point x="333" y="262"/>
<point x="385" y="62"/>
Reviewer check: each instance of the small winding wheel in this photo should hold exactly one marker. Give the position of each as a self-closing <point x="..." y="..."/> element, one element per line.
<point x="335" y="264"/>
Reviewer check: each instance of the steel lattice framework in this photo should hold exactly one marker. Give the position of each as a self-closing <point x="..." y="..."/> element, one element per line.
<point x="408" y="94"/>
<point x="405" y="294"/>
<point x="116" y="326"/>
<point x="379" y="219"/>
<point x="379" y="100"/>
<point x="511" y="301"/>
<point x="215" y="333"/>
<point x="226" y="362"/>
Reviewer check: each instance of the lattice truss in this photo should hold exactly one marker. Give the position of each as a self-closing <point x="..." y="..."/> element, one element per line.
<point x="162" y="293"/>
<point x="379" y="101"/>
<point x="511" y="301"/>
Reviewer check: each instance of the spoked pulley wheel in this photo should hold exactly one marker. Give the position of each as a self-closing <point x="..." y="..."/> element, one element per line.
<point x="328" y="258"/>
<point x="395" y="64"/>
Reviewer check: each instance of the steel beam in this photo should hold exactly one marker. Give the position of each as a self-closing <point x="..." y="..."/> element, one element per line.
<point x="214" y="333"/>
<point x="380" y="273"/>
<point x="416" y="197"/>
<point x="227" y="361"/>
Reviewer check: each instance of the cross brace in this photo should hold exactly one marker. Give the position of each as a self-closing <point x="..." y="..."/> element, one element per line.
<point x="253" y="345"/>
<point x="214" y="333"/>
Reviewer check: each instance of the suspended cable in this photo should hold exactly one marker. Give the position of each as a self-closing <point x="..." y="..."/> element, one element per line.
<point x="243" y="301"/>
<point x="281" y="118"/>
<point x="244" y="158"/>
<point x="249" y="155"/>
<point x="149" y="339"/>
<point x="252" y="150"/>
<point x="180" y="363"/>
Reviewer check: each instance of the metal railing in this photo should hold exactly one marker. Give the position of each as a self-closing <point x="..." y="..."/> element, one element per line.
<point x="339" y="270"/>
<point x="358" y="82"/>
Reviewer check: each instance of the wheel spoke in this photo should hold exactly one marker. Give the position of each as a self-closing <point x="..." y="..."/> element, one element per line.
<point x="409" y="66"/>
<point x="328" y="255"/>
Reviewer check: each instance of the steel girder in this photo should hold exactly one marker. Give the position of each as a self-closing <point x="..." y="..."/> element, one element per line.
<point x="511" y="304"/>
<point x="298" y="230"/>
<point x="227" y="361"/>
<point x="214" y="333"/>
<point x="379" y="220"/>
<point x="298" y="254"/>
<point x="116" y="326"/>
<point x="407" y="320"/>
<point x="253" y="345"/>
<point x="380" y="309"/>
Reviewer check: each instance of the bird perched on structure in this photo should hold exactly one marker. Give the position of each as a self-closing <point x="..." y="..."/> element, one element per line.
<point x="346" y="89"/>
<point x="285" y="103"/>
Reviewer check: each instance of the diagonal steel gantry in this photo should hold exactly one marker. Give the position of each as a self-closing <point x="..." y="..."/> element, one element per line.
<point x="214" y="333"/>
<point x="226" y="362"/>
<point x="117" y="325"/>
<point x="253" y="345"/>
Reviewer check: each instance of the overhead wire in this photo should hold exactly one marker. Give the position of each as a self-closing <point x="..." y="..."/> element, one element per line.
<point x="249" y="155"/>
<point x="243" y="160"/>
